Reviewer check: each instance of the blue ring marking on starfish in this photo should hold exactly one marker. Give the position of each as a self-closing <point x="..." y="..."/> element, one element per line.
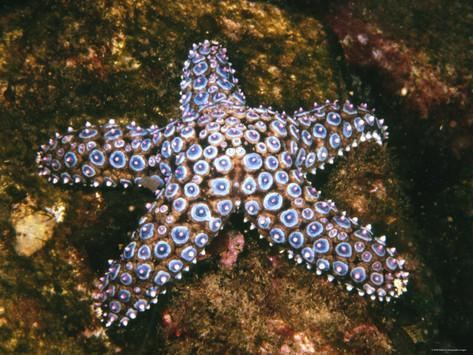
<point x="187" y="133"/>
<point x="281" y="177"/>
<point x="219" y="96"/>
<point x="224" y="207"/>
<point x="322" y="153"/>
<point x="310" y="160"/>
<point x="124" y="295"/>
<point x="278" y="129"/>
<point x="135" y="144"/>
<point x="359" y="246"/>
<point x="314" y="229"/>
<point x="335" y="140"/>
<point x="252" y="136"/>
<point x="323" y="264"/>
<point x="286" y="160"/>
<point x="379" y="249"/>
<point x="289" y="218"/>
<point x="220" y="187"/>
<point x="171" y="191"/>
<point x="146" y="231"/>
<point x="359" y="124"/>
<point x="221" y="71"/>
<point x="391" y="263"/>
<point x="252" y="207"/>
<point x="201" y="240"/>
<point x="186" y="98"/>
<point x="175" y="265"/>
<point x="272" y="202"/>
<point x="188" y="253"/>
<point x="223" y="164"/>
<point x="191" y="190"/>
<point x="144" y="252"/>
<point x="87" y="133"/>
<point x="273" y="144"/>
<point x="300" y="157"/>
<point x="321" y="246"/>
<point x="119" y="143"/>
<point x="146" y="144"/>
<point x="366" y="256"/>
<point x="277" y="235"/>
<point x="70" y="160"/>
<point x="344" y="250"/>
<point x="377" y="278"/>
<point x="201" y="98"/>
<point x="347" y="129"/>
<point x="180" y="235"/>
<point x="180" y="173"/>
<point x="377" y="266"/>
<point x="165" y="168"/>
<point x="333" y="118"/>
<point x="194" y="152"/>
<point x="141" y="305"/>
<point x="215" y="224"/>
<point x="200" y="83"/>
<point x="234" y="133"/>
<point x="161" y="278"/>
<point x="358" y="274"/>
<point x="201" y="168"/>
<point x="369" y="118"/>
<point x="117" y="159"/>
<point x="265" y="181"/>
<point x="113" y="271"/>
<point x="200" y="68"/>
<point x="210" y="152"/>
<point x="179" y="204"/>
<point x="126" y="279"/>
<point x="319" y="131"/>
<point x="340" y="268"/>
<point x="264" y="222"/>
<point x="216" y="138"/>
<point x="296" y="240"/>
<point x="224" y="84"/>
<point x="97" y="157"/>
<point x="342" y="221"/>
<point x="363" y="234"/>
<point x="306" y="138"/>
<point x="137" y="163"/>
<point x="307" y="214"/>
<point x="129" y="250"/>
<point x="88" y="171"/>
<point x="200" y="212"/>
<point x="252" y="162"/>
<point x="271" y="163"/>
<point x="248" y="186"/>
<point x="294" y="190"/>
<point x="308" y="254"/>
<point x="143" y="271"/>
<point x="322" y="207"/>
<point x="112" y="134"/>
<point x="177" y="144"/>
<point x="166" y="149"/>
<point x="162" y="250"/>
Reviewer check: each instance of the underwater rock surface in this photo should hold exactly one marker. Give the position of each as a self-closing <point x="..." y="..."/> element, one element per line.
<point x="62" y="63"/>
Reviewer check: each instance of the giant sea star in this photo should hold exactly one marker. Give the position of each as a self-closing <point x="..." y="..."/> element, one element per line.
<point x="220" y="157"/>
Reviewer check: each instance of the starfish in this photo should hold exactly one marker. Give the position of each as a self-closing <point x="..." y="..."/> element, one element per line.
<point x="220" y="157"/>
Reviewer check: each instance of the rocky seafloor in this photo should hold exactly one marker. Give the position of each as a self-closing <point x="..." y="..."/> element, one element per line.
<point x="65" y="62"/>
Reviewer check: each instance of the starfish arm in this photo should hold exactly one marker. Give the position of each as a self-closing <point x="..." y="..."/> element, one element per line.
<point x="107" y="155"/>
<point x="208" y="78"/>
<point x="291" y="215"/>
<point x="329" y="130"/>
<point x="186" y="216"/>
